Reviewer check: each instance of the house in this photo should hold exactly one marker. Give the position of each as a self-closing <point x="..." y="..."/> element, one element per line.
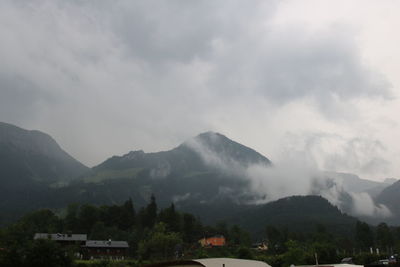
<point x="212" y="262"/>
<point x="89" y="249"/>
<point x="63" y="239"/>
<point x="214" y="241"/>
<point x="105" y="249"/>
<point x="262" y="246"/>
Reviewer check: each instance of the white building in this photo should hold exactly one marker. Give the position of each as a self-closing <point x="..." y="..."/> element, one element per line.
<point x="212" y="262"/>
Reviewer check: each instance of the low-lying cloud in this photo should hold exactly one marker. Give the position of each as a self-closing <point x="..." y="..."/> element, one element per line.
<point x="293" y="176"/>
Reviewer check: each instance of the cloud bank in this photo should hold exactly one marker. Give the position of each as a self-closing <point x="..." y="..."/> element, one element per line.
<point x="106" y="77"/>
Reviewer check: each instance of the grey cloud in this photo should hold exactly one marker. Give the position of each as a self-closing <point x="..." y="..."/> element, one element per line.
<point x="334" y="152"/>
<point x="150" y="74"/>
<point x="292" y="64"/>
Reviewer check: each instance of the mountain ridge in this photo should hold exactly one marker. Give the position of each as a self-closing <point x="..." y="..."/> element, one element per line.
<point x="208" y="169"/>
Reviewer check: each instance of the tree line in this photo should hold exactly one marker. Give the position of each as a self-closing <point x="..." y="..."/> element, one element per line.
<point x="152" y="233"/>
<point x="156" y="234"/>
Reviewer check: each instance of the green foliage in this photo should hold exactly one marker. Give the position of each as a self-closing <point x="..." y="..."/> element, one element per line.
<point x="364" y="235"/>
<point x="295" y="254"/>
<point x="88" y="216"/>
<point x="43" y="253"/>
<point x="326" y="252"/>
<point x="160" y="244"/>
<point x="101" y="176"/>
<point x="170" y="218"/>
<point x="148" y="215"/>
<point x="38" y="253"/>
<point x="192" y="228"/>
<point x="244" y="253"/>
<point x="384" y="236"/>
<point x="157" y="234"/>
<point x="239" y="237"/>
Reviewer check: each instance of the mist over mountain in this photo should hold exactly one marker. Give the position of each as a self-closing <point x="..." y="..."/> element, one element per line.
<point x="190" y="172"/>
<point x="208" y="175"/>
<point x="188" y="156"/>
<point x="211" y="173"/>
<point x="390" y="197"/>
<point x="353" y="183"/>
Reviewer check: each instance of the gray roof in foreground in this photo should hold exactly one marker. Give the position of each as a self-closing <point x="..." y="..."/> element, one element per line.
<point x="213" y="262"/>
<point x="106" y="244"/>
<point x="217" y="262"/>
<point x="61" y="237"/>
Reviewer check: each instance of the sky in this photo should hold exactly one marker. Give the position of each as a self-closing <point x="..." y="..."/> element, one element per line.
<point x="312" y="79"/>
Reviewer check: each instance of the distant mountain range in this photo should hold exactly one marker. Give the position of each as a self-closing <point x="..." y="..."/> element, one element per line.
<point x="353" y="183"/>
<point x="205" y="175"/>
<point x="34" y="156"/>
<point x="30" y="163"/>
<point x="390" y="196"/>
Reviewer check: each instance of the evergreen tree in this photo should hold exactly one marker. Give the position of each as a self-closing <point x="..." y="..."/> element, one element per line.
<point x="88" y="216"/>
<point x="150" y="213"/>
<point x="364" y="236"/>
<point x="384" y="237"/>
<point x="171" y="218"/>
<point x="127" y="218"/>
<point x="71" y="222"/>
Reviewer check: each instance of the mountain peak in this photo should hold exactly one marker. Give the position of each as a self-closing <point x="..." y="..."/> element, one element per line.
<point x="212" y="137"/>
<point x="32" y="154"/>
<point x="224" y="148"/>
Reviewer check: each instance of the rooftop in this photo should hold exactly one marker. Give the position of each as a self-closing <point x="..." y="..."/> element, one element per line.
<point x="61" y="237"/>
<point x="105" y="243"/>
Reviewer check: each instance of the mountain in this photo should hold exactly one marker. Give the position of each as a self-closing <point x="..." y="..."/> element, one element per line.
<point x="297" y="214"/>
<point x="209" y="175"/>
<point x="196" y="154"/>
<point x="390" y="197"/>
<point x="33" y="155"/>
<point x="206" y="175"/>
<point x="353" y="183"/>
<point x="30" y="162"/>
<point x="203" y="169"/>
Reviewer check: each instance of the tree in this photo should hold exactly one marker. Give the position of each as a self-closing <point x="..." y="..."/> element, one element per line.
<point x="274" y="237"/>
<point x="188" y="228"/>
<point x="43" y="253"/>
<point x="149" y="214"/>
<point x="88" y="216"/>
<point x="384" y="237"/>
<point x="71" y="219"/>
<point x="160" y="244"/>
<point x="37" y="253"/>
<point x="364" y="236"/>
<point x="171" y="218"/>
<point x="295" y="253"/>
<point x="326" y="251"/>
<point x="239" y="237"/>
<point x="40" y="221"/>
<point x="128" y="215"/>
<point x="222" y="229"/>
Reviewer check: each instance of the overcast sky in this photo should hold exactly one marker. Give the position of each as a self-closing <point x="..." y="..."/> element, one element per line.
<point x="313" y="79"/>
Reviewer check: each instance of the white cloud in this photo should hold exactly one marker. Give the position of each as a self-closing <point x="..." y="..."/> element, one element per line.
<point x="297" y="174"/>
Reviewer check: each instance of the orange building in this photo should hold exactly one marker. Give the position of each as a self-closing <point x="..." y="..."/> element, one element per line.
<point x="214" y="241"/>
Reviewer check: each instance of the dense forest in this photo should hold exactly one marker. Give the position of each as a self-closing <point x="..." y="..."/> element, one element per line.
<point x="155" y="234"/>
